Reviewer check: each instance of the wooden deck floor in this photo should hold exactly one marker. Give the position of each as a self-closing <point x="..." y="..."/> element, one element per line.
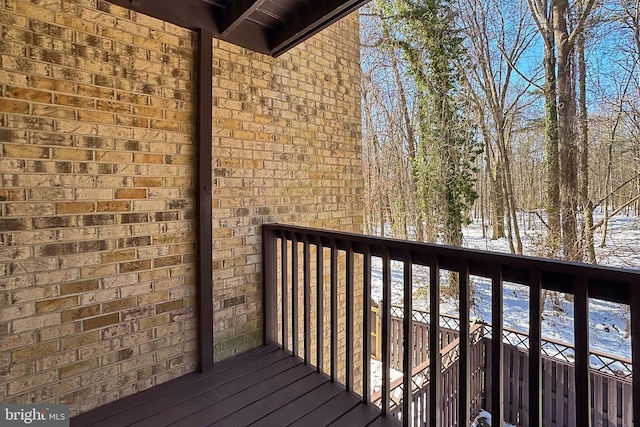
<point x="263" y="387"/>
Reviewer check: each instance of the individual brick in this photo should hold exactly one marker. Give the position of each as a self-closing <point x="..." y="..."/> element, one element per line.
<point x="100" y="321"/>
<point x="56" y="304"/>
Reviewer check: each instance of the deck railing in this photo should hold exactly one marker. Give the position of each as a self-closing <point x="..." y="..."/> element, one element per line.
<point x="610" y="374"/>
<point x="449" y="354"/>
<point x="290" y="287"/>
<point x="604" y="363"/>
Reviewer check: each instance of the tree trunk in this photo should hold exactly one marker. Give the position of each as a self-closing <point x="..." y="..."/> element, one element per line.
<point x="497" y="202"/>
<point x="567" y="149"/>
<point x="551" y="148"/>
<point x="587" y="205"/>
<point x="411" y="141"/>
<point x="607" y="187"/>
<point x="496" y="195"/>
<point x="375" y="170"/>
<point x="512" y="248"/>
<point x="636" y="39"/>
<point x="510" y="202"/>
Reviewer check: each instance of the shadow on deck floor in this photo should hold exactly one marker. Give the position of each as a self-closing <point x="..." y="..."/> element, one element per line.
<point x="263" y="387"/>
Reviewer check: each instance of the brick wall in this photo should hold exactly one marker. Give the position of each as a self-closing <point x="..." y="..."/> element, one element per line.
<point x="286" y="148"/>
<point x="97" y="291"/>
<point x="96" y="202"/>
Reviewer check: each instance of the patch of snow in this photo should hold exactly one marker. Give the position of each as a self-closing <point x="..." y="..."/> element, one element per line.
<point x="609" y="322"/>
<point x="484" y="420"/>
<point x="376" y="376"/>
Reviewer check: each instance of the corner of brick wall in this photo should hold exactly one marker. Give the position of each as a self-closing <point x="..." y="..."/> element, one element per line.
<point x="287" y="148"/>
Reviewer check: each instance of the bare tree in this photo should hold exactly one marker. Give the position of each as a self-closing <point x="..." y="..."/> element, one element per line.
<point x="387" y="122"/>
<point x="552" y="17"/>
<point x="495" y="43"/>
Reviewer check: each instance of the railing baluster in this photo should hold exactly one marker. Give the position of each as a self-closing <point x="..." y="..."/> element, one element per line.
<point x="581" y="333"/>
<point x="464" y="415"/>
<point x="407" y="330"/>
<point x="349" y="320"/>
<point x="269" y="250"/>
<point x="334" y="311"/>
<point x="307" y="301"/>
<point x="320" y="305"/>
<point x="497" y="353"/>
<point x="294" y="295"/>
<point x="366" y="326"/>
<point x="535" y="349"/>
<point x="435" y="361"/>
<point x="634" y="309"/>
<point x="386" y="331"/>
<point x="285" y="285"/>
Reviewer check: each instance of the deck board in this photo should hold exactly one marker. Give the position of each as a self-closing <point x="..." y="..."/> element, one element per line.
<point x="329" y="411"/>
<point x="185" y="382"/>
<point x="300" y="407"/>
<point x="272" y="402"/>
<point x="239" y="401"/>
<point x="198" y="385"/>
<point x="384" y="422"/>
<point x="360" y="415"/>
<point x="198" y="401"/>
<point x="263" y="387"/>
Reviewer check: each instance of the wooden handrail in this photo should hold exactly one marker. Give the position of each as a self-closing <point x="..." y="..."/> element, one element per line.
<point x="607" y="283"/>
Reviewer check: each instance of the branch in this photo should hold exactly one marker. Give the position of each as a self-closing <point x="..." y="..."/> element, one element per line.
<point x="581" y="20"/>
<point x="538" y="18"/>
<point x="616" y="189"/>
<point x="538" y="215"/>
<point x="514" y="68"/>
<point x="606" y="218"/>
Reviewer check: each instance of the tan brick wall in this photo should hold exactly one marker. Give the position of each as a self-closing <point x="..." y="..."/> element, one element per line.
<point x="97" y="275"/>
<point x="287" y="149"/>
<point x="97" y="290"/>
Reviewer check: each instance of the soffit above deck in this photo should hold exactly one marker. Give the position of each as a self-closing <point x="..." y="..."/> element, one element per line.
<point x="267" y="26"/>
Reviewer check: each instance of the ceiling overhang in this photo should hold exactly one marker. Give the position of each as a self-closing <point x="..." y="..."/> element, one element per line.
<point x="267" y="26"/>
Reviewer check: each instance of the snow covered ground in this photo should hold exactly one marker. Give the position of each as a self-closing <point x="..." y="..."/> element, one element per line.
<point x="484" y="419"/>
<point x="608" y="321"/>
<point x="622" y="244"/>
<point x="376" y="376"/>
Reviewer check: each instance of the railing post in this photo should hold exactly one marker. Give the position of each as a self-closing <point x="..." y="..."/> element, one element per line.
<point x="581" y="333"/>
<point x="294" y="297"/>
<point x="270" y="310"/>
<point x="497" y="353"/>
<point x="378" y="331"/>
<point x="285" y="289"/>
<point x="634" y="309"/>
<point x="334" y="311"/>
<point x="407" y="331"/>
<point x="320" y="305"/>
<point x="204" y="248"/>
<point x="349" y="319"/>
<point x="435" y="360"/>
<point x="366" y="327"/>
<point x="386" y="331"/>
<point x="463" y="364"/>
<point x="307" y="301"/>
<point x="535" y="349"/>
